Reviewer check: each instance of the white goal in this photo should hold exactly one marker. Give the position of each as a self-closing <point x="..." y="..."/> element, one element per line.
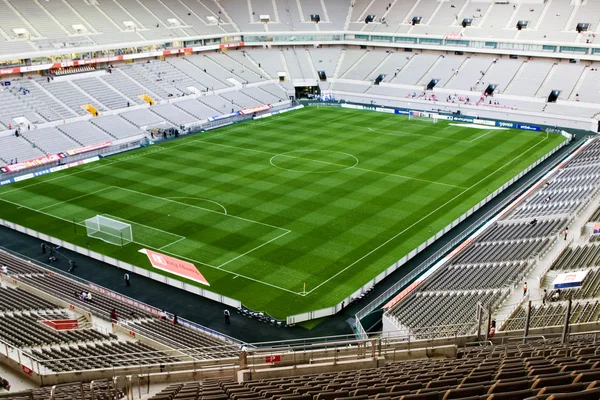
<point x="109" y="230"/>
<point x="423" y="116"/>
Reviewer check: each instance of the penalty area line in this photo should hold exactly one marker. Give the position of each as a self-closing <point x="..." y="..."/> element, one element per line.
<point x="143" y="245"/>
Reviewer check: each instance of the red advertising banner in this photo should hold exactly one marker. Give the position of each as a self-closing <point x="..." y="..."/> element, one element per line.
<point x="26" y="370"/>
<point x="453" y="35"/>
<point x="36" y="162"/>
<point x="252" y="110"/>
<point x="125" y="299"/>
<point x="229" y="45"/>
<point x="270" y="359"/>
<point x="174" y="266"/>
<point x="85" y="149"/>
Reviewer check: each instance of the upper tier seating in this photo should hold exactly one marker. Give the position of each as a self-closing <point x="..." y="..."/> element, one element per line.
<point x="53" y="24"/>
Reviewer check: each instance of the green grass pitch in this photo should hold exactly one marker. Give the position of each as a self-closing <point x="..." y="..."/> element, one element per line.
<point x="325" y="196"/>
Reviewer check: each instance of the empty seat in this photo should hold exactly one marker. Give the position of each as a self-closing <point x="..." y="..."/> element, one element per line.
<point x="588" y="376"/>
<point x="464" y="392"/>
<point x="552" y="381"/>
<point x="568" y="388"/>
<point x="502" y="387"/>
<point x="512" y="395"/>
<point x="424" y="396"/>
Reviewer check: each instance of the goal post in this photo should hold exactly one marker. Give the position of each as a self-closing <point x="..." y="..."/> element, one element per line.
<point x="109" y="230"/>
<point x="423" y="116"/>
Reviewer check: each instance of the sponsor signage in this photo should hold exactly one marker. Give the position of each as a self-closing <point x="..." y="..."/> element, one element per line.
<point x="570" y="279"/>
<point x="484" y="122"/>
<point x="271" y="359"/>
<point x="175" y="266"/>
<point x="402" y="112"/>
<point x="462" y="119"/>
<point x="23" y="177"/>
<point x="269" y="114"/>
<point x="85" y="149"/>
<point x="505" y="124"/>
<point x="229" y="45"/>
<point x="26" y="370"/>
<point x="49" y="170"/>
<point x="453" y="36"/>
<point x="529" y="127"/>
<point x="36" y="162"/>
<point x="252" y="110"/>
<point x="224" y="116"/>
<point x="125" y="299"/>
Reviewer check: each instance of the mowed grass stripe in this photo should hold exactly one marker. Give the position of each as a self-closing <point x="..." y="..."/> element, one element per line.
<point x="345" y="226"/>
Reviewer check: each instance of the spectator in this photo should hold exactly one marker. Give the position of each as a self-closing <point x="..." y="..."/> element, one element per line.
<point x="4" y="269"/>
<point x="113" y="316"/>
<point x="492" y="329"/>
<point x="545" y="297"/>
<point x="556" y="295"/>
<point x="525" y="289"/>
<point x="126" y="278"/>
<point x="566" y="233"/>
<point x="89" y="297"/>
<point x="175" y="319"/>
<point x="83" y="296"/>
<point x="227" y="316"/>
<point x="4" y="384"/>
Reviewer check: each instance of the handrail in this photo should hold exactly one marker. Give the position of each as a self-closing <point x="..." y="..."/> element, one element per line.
<point x="12" y="395"/>
<point x="53" y="390"/>
<point x="480" y="343"/>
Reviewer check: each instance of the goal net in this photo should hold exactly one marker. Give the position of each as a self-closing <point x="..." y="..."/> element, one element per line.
<point x="423" y="116"/>
<point x="109" y="230"/>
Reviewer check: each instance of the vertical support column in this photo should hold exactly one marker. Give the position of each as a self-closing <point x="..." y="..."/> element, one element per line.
<point x="479" y="321"/>
<point x="489" y="323"/>
<point x="527" y="321"/>
<point x="567" y="318"/>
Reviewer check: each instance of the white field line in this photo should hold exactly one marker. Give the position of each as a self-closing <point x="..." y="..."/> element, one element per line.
<point x="480" y="136"/>
<point x="166" y="252"/>
<point x="201" y="208"/>
<point x="251" y="250"/>
<point x="424" y="217"/>
<point x="203" y="199"/>
<point x="403" y="133"/>
<point x="330" y="163"/>
<point x="172" y="243"/>
<point x="74" y="198"/>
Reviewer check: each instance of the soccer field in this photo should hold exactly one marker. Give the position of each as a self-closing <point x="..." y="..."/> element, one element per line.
<point x="327" y="197"/>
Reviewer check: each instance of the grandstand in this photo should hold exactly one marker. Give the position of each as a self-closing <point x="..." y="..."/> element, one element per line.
<point x="83" y="80"/>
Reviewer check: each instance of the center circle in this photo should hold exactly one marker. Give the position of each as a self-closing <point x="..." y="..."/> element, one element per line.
<point x="314" y="161"/>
